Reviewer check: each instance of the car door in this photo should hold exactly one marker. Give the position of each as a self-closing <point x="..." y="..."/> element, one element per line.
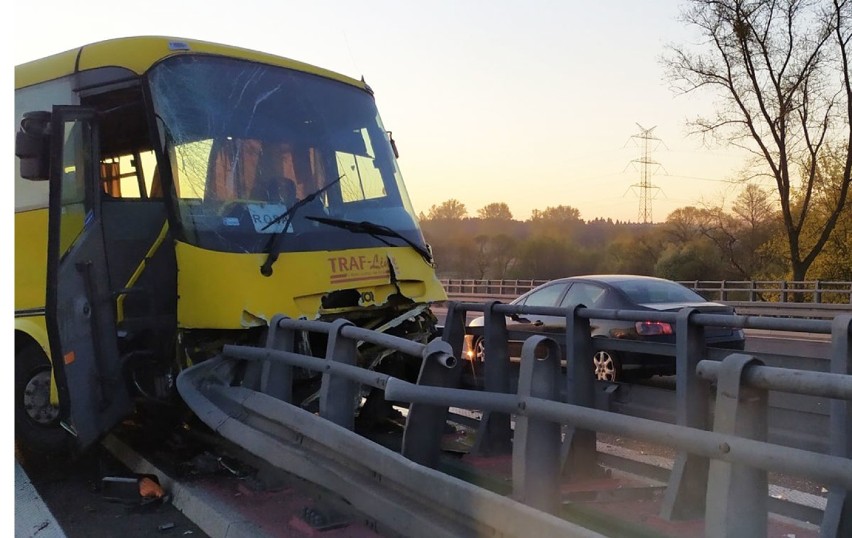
<point x="587" y="294"/>
<point x="526" y="324"/>
<point x="80" y="307"/>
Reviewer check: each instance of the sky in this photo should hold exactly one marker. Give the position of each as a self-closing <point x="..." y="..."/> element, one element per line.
<point x="535" y="104"/>
<point x="531" y="103"/>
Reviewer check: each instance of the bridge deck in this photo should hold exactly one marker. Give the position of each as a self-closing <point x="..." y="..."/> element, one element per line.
<point x="615" y="504"/>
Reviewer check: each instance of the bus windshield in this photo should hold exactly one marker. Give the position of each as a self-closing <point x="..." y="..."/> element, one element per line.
<point x="247" y="141"/>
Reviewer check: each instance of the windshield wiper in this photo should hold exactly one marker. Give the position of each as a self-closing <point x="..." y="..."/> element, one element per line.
<point x="272" y="246"/>
<point x="376" y="230"/>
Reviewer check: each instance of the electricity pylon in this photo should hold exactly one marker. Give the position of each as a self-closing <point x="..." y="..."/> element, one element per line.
<point x="647" y="167"/>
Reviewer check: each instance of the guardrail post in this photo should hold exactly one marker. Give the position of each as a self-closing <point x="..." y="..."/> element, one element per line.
<point x="579" y="450"/>
<point x="686" y="491"/>
<point x="495" y="429"/>
<point x="338" y="395"/>
<point x="454" y="327"/>
<point x="837" y="519"/>
<point x="737" y="502"/>
<point x="276" y="378"/>
<point x="535" y="458"/>
<point x="424" y="426"/>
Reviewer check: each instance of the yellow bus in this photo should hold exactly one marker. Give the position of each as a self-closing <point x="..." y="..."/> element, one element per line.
<point x="172" y="196"/>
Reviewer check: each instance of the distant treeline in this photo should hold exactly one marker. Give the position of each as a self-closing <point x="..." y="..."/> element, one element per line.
<point x="743" y="243"/>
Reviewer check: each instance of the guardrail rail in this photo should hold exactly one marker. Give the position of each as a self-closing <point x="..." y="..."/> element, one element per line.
<point x="744" y="291"/>
<point x="547" y="426"/>
<point x="806" y="299"/>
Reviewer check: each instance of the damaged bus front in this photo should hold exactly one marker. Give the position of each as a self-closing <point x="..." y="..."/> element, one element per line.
<point x="195" y="191"/>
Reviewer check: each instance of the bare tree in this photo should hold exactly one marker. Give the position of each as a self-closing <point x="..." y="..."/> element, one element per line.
<point x="685" y="224"/>
<point x="561" y="213"/>
<point x="754" y="207"/>
<point x="782" y="71"/>
<point x="482" y="259"/>
<point x="451" y="209"/>
<point x="739" y="235"/>
<point x="495" y="210"/>
<point x="503" y="254"/>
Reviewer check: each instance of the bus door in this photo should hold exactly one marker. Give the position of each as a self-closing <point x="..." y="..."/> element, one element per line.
<point x="80" y="307"/>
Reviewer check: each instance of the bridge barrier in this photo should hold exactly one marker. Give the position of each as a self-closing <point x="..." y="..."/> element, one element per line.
<point x="746" y="291"/>
<point x="401" y="497"/>
<point x="723" y="449"/>
<point x="806" y="299"/>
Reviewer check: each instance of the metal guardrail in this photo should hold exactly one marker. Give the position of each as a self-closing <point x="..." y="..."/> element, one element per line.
<point x="403" y="498"/>
<point x="790" y="310"/>
<point x="820" y="300"/>
<point x="740" y="291"/>
<point x="495" y="289"/>
<point x="777" y="291"/>
<point x="720" y="471"/>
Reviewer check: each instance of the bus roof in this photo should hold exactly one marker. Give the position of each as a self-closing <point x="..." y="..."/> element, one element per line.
<point x="138" y="54"/>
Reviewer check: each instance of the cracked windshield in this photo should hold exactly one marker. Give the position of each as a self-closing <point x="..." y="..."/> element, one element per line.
<point x="257" y="151"/>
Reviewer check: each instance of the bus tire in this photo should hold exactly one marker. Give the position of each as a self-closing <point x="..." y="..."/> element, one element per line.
<point x="37" y="429"/>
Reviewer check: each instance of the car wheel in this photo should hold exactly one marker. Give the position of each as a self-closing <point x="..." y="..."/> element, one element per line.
<point x="37" y="428"/>
<point x="607" y="366"/>
<point x="479" y="349"/>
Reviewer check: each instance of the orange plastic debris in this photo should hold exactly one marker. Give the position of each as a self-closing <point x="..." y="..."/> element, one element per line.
<point x="150" y="489"/>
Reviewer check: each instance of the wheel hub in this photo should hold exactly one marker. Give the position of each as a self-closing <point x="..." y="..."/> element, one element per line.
<point x="480" y="350"/>
<point x="604" y="366"/>
<point x="37" y="399"/>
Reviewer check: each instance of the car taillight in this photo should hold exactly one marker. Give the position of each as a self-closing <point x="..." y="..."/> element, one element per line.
<point x="652" y="328"/>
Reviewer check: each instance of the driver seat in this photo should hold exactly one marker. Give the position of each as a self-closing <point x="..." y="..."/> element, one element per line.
<point x="275" y="189"/>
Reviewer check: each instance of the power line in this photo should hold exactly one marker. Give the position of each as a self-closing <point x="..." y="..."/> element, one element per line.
<point x="647" y="166"/>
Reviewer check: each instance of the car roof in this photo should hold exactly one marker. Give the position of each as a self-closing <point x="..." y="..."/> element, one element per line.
<point x="607" y="279"/>
<point x="598" y="279"/>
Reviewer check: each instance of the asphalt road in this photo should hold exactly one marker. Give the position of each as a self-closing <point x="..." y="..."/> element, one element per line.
<point x="75" y="493"/>
<point x="82" y="503"/>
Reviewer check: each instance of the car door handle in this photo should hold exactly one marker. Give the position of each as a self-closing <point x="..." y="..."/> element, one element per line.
<point x="538" y="323"/>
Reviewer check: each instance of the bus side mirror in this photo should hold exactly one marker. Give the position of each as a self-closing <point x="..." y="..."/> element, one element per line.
<point x="32" y="145"/>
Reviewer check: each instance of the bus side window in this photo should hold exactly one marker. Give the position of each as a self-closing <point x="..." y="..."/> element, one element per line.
<point x="131" y="176"/>
<point x="111" y="179"/>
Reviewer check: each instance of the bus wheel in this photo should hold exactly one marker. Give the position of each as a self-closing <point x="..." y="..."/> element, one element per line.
<point x="37" y="429"/>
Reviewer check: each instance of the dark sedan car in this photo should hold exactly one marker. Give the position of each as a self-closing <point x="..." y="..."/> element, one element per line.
<point x="623" y="292"/>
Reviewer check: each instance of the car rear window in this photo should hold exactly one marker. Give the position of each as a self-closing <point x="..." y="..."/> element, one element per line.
<point x="650" y="292"/>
